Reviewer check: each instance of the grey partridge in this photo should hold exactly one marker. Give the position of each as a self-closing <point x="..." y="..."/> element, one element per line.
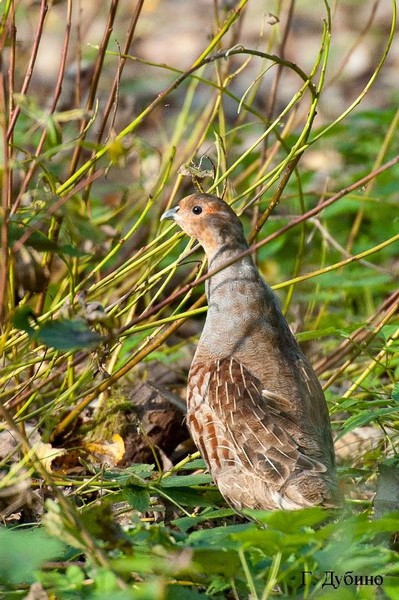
<point x="255" y="408"/>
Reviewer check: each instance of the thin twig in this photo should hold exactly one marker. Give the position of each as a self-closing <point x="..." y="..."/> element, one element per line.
<point x="31" y="65"/>
<point x="296" y="221"/>
<point x="56" y="96"/>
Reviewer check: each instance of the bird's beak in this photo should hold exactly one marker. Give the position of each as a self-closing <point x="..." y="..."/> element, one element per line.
<point x="170" y="214"/>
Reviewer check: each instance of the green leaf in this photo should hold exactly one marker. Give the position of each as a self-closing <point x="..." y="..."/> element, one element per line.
<point x="61" y="334"/>
<point x="305" y="336"/>
<point x="365" y="417"/>
<point x="186" y="523"/>
<point x="70" y="251"/>
<point x="137" y="497"/>
<point x="179" y="592"/>
<point x="219" y="537"/>
<point x="22" y="318"/>
<point x="36" y="238"/>
<point x="68" y="335"/>
<point x="54" y="134"/>
<point x="40" y="242"/>
<point x="75" y="577"/>
<point x="21" y="552"/>
<point x="134" y="474"/>
<point x="185" y="480"/>
<point x="99" y="521"/>
<point x="192" y="497"/>
<point x="292" y="521"/>
<point x="193" y="465"/>
<point x="105" y="581"/>
<point x="218" y="561"/>
<point x="391" y="587"/>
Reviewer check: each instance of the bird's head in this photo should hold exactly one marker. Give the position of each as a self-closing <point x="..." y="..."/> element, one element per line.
<point x="209" y="220"/>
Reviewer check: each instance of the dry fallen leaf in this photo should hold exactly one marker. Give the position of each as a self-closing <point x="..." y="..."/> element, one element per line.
<point x="107" y="452"/>
<point x="46" y="454"/>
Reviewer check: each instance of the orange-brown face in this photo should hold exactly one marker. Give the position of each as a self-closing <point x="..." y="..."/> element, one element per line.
<point x="206" y="218"/>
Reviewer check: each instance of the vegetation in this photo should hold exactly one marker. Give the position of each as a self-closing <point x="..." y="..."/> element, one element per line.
<point x="94" y="290"/>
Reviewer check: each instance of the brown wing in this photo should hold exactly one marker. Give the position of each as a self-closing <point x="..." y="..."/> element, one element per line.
<point x="251" y="424"/>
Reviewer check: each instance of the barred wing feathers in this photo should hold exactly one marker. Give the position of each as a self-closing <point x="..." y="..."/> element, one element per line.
<point x="236" y="421"/>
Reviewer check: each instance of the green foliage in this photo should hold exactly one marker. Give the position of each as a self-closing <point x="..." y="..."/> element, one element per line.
<point x="93" y="289"/>
<point x="22" y="552"/>
<point x="61" y="334"/>
<point x="220" y="558"/>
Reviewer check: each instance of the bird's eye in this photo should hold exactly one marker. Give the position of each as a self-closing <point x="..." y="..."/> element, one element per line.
<point x="197" y="210"/>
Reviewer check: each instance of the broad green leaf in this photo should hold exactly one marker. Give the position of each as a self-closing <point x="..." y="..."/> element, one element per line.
<point x="291" y="521"/>
<point x="69" y="250"/>
<point x="218" y="537"/>
<point x="193" y="465"/>
<point x="185" y="480"/>
<point x="68" y="335"/>
<point x="180" y="592"/>
<point x="191" y="497"/>
<point x="186" y="523"/>
<point x="216" y="561"/>
<point x="22" y="319"/>
<point x="134" y="474"/>
<point x="365" y="417"/>
<point x="40" y="242"/>
<point x="54" y="132"/>
<point x="21" y="552"/>
<point x="137" y="497"/>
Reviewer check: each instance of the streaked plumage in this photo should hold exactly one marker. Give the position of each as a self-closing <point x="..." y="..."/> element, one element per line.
<point x="256" y="410"/>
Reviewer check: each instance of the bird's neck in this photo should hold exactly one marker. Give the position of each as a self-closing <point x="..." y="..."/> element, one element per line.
<point x="240" y="305"/>
<point x="234" y="302"/>
<point x="240" y="273"/>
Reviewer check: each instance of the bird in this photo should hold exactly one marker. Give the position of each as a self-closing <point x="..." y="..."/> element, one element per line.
<point x="255" y="407"/>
